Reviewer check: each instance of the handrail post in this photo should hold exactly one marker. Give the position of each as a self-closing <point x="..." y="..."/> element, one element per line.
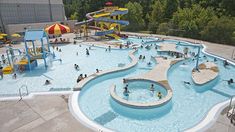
<point x="20" y="91"/>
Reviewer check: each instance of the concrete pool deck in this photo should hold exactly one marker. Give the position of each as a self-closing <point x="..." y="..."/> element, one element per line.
<point x="50" y="113"/>
<point x="44" y="113"/>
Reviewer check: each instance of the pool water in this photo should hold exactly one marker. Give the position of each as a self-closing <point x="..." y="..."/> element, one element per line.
<point x="140" y="92"/>
<point x="63" y="75"/>
<point x="189" y="105"/>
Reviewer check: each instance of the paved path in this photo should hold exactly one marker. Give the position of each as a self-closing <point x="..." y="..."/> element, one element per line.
<point x="46" y="113"/>
<point x="222" y="124"/>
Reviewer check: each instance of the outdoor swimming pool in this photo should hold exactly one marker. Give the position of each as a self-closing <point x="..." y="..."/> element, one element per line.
<point x="188" y="106"/>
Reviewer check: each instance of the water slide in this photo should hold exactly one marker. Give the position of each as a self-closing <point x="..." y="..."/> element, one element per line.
<point x="102" y="17"/>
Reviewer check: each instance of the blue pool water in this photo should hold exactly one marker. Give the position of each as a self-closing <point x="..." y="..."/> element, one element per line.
<point x="63" y="76"/>
<point x="189" y="105"/>
<point x="140" y="92"/>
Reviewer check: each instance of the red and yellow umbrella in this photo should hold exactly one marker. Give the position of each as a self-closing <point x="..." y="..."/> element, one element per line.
<point x="57" y="29"/>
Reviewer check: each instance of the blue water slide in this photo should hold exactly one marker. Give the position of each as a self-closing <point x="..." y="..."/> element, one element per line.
<point x="104" y="19"/>
<point x="102" y="33"/>
<point x="118" y="12"/>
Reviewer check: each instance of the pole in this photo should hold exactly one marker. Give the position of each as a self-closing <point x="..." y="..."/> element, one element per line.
<point x="50" y="10"/>
<point x="198" y="54"/>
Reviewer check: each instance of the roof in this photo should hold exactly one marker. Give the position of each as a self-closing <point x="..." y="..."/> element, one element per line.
<point x="34" y="34"/>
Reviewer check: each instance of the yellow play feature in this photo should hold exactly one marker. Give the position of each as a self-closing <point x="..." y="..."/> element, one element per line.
<point x="7" y="70"/>
<point x="107" y="22"/>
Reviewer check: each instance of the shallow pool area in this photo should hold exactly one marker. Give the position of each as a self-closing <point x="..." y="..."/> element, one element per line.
<point x="63" y="75"/>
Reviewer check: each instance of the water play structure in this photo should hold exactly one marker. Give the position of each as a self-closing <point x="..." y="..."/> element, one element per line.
<point x="107" y="22"/>
<point x="33" y="52"/>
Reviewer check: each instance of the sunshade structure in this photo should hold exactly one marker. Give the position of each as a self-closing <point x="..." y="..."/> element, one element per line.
<point x="15" y="35"/>
<point x="109" y="3"/>
<point x="1" y="37"/>
<point x="57" y="29"/>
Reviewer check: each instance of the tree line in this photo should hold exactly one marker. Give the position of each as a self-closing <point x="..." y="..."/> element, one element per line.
<point x="211" y="20"/>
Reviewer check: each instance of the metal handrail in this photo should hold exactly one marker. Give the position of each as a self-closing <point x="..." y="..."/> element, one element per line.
<point x="20" y="91"/>
<point x="230" y="106"/>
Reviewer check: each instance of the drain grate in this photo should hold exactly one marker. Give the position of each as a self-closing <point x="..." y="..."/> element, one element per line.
<point x="106" y="117"/>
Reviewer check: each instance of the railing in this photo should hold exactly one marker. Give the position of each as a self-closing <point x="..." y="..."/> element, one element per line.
<point x="233" y="57"/>
<point x="231" y="107"/>
<point x="21" y="92"/>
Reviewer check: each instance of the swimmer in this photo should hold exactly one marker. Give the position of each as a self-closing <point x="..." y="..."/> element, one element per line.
<point x="152" y="88"/>
<point x="87" y="52"/>
<point x="97" y="70"/>
<point x="85" y="76"/>
<point x="226" y="63"/>
<point x="47" y="82"/>
<point x="77" y="53"/>
<point x="140" y="57"/>
<point x="149" y="63"/>
<point x="185" y="82"/>
<point x="143" y="57"/>
<point x="126" y="91"/>
<point x="230" y="81"/>
<point x="215" y="59"/>
<point x="109" y="48"/>
<point x="124" y="80"/>
<point x="14" y="76"/>
<point x="159" y="95"/>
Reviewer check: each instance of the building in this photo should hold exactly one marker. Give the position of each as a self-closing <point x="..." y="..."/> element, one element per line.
<point x="27" y="12"/>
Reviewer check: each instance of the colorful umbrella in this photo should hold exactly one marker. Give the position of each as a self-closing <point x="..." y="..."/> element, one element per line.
<point x="15" y="35"/>
<point x="57" y="29"/>
<point x="108" y="3"/>
<point x="1" y="37"/>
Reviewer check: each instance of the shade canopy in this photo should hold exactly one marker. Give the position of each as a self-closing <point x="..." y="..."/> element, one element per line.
<point x="57" y="29"/>
<point x="108" y="3"/>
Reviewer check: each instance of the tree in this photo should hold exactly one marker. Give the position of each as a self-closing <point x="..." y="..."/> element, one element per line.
<point x="171" y="6"/>
<point x="134" y="16"/>
<point x="192" y="20"/>
<point x="163" y="29"/>
<point x="74" y="16"/>
<point x="220" y="30"/>
<point x="156" y="16"/>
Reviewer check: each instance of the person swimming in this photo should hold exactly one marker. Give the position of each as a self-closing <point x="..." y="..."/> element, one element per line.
<point x="149" y="63"/>
<point x="159" y="95"/>
<point x="230" y="81"/>
<point x="185" y="82"/>
<point x="226" y="63"/>
<point x="47" y="82"/>
<point x="126" y="91"/>
<point x="152" y="88"/>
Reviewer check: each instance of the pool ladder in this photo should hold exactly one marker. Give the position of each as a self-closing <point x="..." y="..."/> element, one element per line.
<point x="21" y="91"/>
<point x="231" y="110"/>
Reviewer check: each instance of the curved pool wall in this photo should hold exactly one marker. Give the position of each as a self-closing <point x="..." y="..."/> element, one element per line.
<point x="214" y="97"/>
